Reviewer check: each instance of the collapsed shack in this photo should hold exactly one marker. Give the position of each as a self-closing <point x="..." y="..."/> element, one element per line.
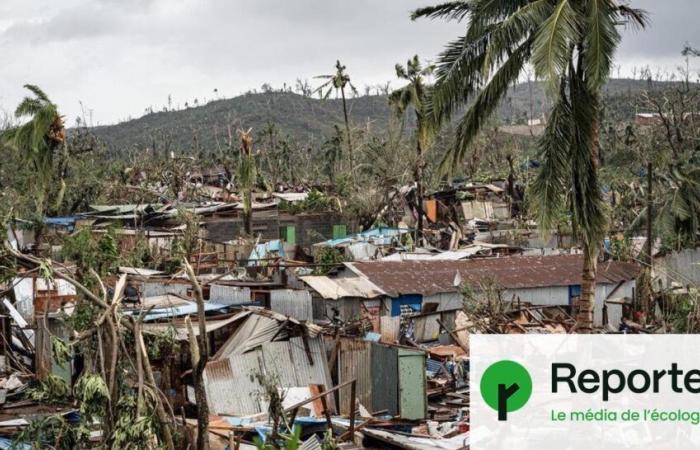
<point x="265" y="347"/>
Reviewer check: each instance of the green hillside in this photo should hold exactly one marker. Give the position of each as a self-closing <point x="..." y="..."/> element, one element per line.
<point x="308" y="119"/>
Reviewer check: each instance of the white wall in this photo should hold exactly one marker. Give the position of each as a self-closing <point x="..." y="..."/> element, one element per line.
<point x="447" y="301"/>
<point x="681" y="267"/>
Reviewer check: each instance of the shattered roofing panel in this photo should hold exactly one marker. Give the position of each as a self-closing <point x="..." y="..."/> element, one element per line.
<point x="291" y="196"/>
<point x="335" y="288"/>
<point x="515" y="272"/>
<point x="181" y="332"/>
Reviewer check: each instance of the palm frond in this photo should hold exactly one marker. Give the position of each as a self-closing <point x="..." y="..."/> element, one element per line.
<point x="549" y="189"/>
<point x="484" y="104"/>
<point x="551" y="51"/>
<point x="635" y="17"/>
<point x="511" y="31"/>
<point x="587" y="201"/>
<point x="36" y="90"/>
<point x="600" y="41"/>
<point x="450" y="10"/>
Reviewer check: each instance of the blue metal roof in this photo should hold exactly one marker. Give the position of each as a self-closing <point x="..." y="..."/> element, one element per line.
<point x="369" y="235"/>
<point x="66" y="221"/>
<point x="175" y="311"/>
<point x="262" y="251"/>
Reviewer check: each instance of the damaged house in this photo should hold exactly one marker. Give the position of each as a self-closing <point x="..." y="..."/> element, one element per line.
<point x="439" y="285"/>
<point x="266" y="347"/>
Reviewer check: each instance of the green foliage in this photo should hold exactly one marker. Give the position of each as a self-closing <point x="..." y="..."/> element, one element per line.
<point x="621" y="249"/>
<point x="162" y="344"/>
<point x="316" y="201"/>
<point x="90" y="250"/>
<point x="52" y="432"/>
<point x="132" y="432"/>
<point x="60" y="351"/>
<point x="327" y="259"/>
<point x="37" y="141"/>
<point x="92" y="395"/>
<point x="53" y="390"/>
<point x="188" y="244"/>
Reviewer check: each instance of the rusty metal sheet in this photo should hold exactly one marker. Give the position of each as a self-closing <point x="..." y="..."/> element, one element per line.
<point x="390" y="328"/>
<point x="335" y="288"/>
<point x="514" y="272"/>
<point x="231" y="387"/>
<point x="385" y="379"/>
<point x="354" y="362"/>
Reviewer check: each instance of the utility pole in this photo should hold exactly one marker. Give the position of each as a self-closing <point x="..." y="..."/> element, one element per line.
<point x="648" y="303"/>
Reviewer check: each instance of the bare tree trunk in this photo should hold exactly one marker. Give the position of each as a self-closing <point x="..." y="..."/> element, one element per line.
<point x="591" y="250"/>
<point x="160" y="409"/>
<point x="584" y="318"/>
<point x="648" y="302"/>
<point x="419" y="191"/>
<point x="248" y="211"/>
<point x="347" y="129"/>
<point x="199" y="349"/>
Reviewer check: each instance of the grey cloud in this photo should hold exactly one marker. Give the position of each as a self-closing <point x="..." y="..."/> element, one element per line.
<point x="119" y="56"/>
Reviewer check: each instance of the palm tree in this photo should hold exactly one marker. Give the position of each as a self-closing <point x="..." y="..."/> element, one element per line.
<point x="413" y="95"/>
<point x="571" y="45"/>
<point x="246" y="177"/>
<point x="38" y="141"/>
<point x="338" y="82"/>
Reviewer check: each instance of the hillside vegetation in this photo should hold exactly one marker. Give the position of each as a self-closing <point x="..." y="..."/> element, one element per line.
<point x="307" y="119"/>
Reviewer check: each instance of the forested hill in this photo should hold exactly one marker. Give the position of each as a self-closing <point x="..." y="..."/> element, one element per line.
<point x="306" y="119"/>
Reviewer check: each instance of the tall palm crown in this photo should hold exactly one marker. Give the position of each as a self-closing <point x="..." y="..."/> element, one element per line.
<point x="38" y="138"/>
<point x="338" y="82"/>
<point x="41" y="134"/>
<point x="413" y="95"/>
<point x="570" y="44"/>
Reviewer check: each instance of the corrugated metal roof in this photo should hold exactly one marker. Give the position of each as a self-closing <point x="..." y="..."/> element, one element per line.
<point x="164" y="301"/>
<point x="291" y="302"/>
<point x="335" y="288"/>
<point x="354" y="362"/>
<point x="229" y="295"/>
<point x="255" y="331"/>
<point x="175" y="311"/>
<point x="514" y="272"/>
<point x="231" y="385"/>
<point x="181" y="329"/>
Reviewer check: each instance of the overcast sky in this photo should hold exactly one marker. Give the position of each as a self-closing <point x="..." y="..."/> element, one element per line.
<point x="118" y="57"/>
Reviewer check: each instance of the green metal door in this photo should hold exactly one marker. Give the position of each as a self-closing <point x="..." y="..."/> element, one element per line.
<point x="412" y="401"/>
<point x="339" y="231"/>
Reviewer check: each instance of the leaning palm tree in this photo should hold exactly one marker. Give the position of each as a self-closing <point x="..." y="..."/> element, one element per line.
<point x="413" y="96"/>
<point x="338" y="82"/>
<point x="38" y="141"/>
<point x="570" y="44"/>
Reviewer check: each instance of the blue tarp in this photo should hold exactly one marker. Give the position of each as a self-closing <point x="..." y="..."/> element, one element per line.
<point x="269" y="249"/>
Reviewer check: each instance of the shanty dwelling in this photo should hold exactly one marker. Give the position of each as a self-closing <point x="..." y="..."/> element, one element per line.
<point x="414" y="286"/>
<point x="39" y="308"/>
<point x="271" y="347"/>
<point x="345" y="299"/>
<point x="171" y="367"/>
<point x="389" y="378"/>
